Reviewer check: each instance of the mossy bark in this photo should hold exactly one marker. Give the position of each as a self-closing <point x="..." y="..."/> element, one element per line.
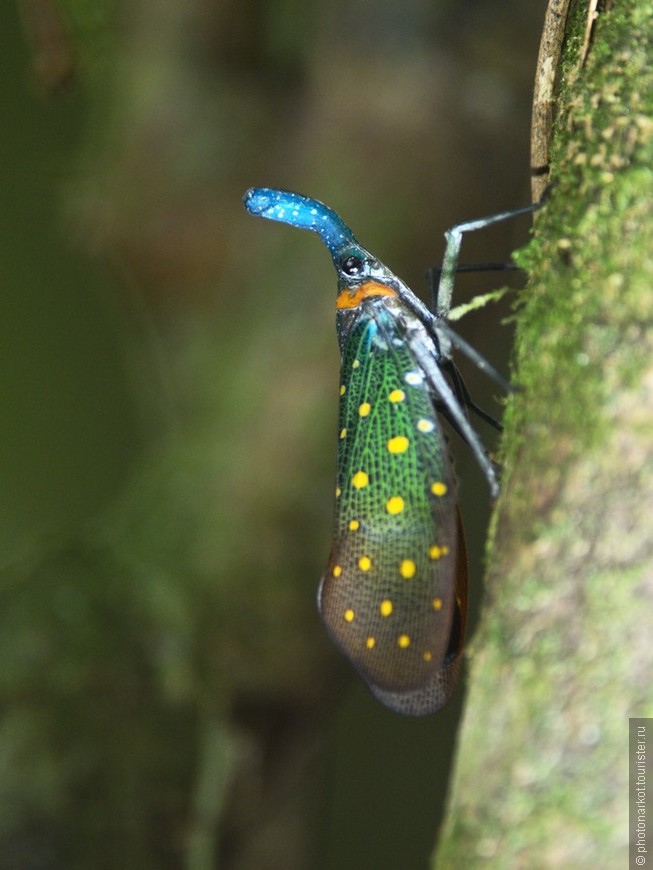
<point x="564" y="655"/>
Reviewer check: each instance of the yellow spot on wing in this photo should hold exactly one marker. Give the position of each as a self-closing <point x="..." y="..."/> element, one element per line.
<point x="425" y="425"/>
<point x="354" y="525"/>
<point x="395" y="505"/>
<point x="343" y="390"/>
<point x="439" y="488"/>
<point x="365" y="563"/>
<point x="407" y="569"/>
<point x="337" y="571"/>
<point x="360" y="479"/>
<point x="437" y="604"/>
<point x="364" y="409"/>
<point x="403" y="641"/>
<point x="370" y="643"/>
<point x="349" y="615"/>
<point x="356" y="363"/>
<point x="385" y="607"/>
<point x="427" y="656"/>
<point x="338" y="492"/>
<point x="343" y="433"/>
<point x="397" y="396"/>
<point x="398" y="444"/>
<point x="436" y="552"/>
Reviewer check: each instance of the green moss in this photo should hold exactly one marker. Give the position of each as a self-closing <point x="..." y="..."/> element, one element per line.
<point x="581" y="319"/>
<point x="559" y="659"/>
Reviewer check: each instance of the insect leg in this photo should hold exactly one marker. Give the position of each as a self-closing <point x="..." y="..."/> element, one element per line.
<point x="478" y="359"/>
<point x="464" y="396"/>
<point x="434" y="272"/>
<point x="456" y="413"/>
<point x="454" y="236"/>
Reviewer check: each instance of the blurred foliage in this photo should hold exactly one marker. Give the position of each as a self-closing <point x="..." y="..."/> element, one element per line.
<point x="168" y="695"/>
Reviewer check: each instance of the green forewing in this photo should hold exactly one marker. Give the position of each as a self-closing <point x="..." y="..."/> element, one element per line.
<point x="395" y="576"/>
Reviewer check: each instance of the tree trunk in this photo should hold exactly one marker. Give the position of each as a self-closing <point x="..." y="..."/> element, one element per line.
<point x="563" y="655"/>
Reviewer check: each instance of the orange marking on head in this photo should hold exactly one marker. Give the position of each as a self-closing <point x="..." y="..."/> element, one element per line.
<point x="353" y="298"/>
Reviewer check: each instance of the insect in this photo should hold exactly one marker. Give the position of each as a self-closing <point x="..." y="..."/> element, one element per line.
<point x="393" y="595"/>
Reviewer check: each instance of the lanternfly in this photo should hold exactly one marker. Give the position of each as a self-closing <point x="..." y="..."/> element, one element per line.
<point x="393" y="595"/>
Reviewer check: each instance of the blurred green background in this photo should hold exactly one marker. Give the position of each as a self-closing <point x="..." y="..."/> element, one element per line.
<point x="168" y="696"/>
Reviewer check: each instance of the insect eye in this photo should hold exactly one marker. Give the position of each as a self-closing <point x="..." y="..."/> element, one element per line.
<point x="352" y="266"/>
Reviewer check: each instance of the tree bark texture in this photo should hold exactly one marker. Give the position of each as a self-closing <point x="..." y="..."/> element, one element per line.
<point x="563" y="656"/>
